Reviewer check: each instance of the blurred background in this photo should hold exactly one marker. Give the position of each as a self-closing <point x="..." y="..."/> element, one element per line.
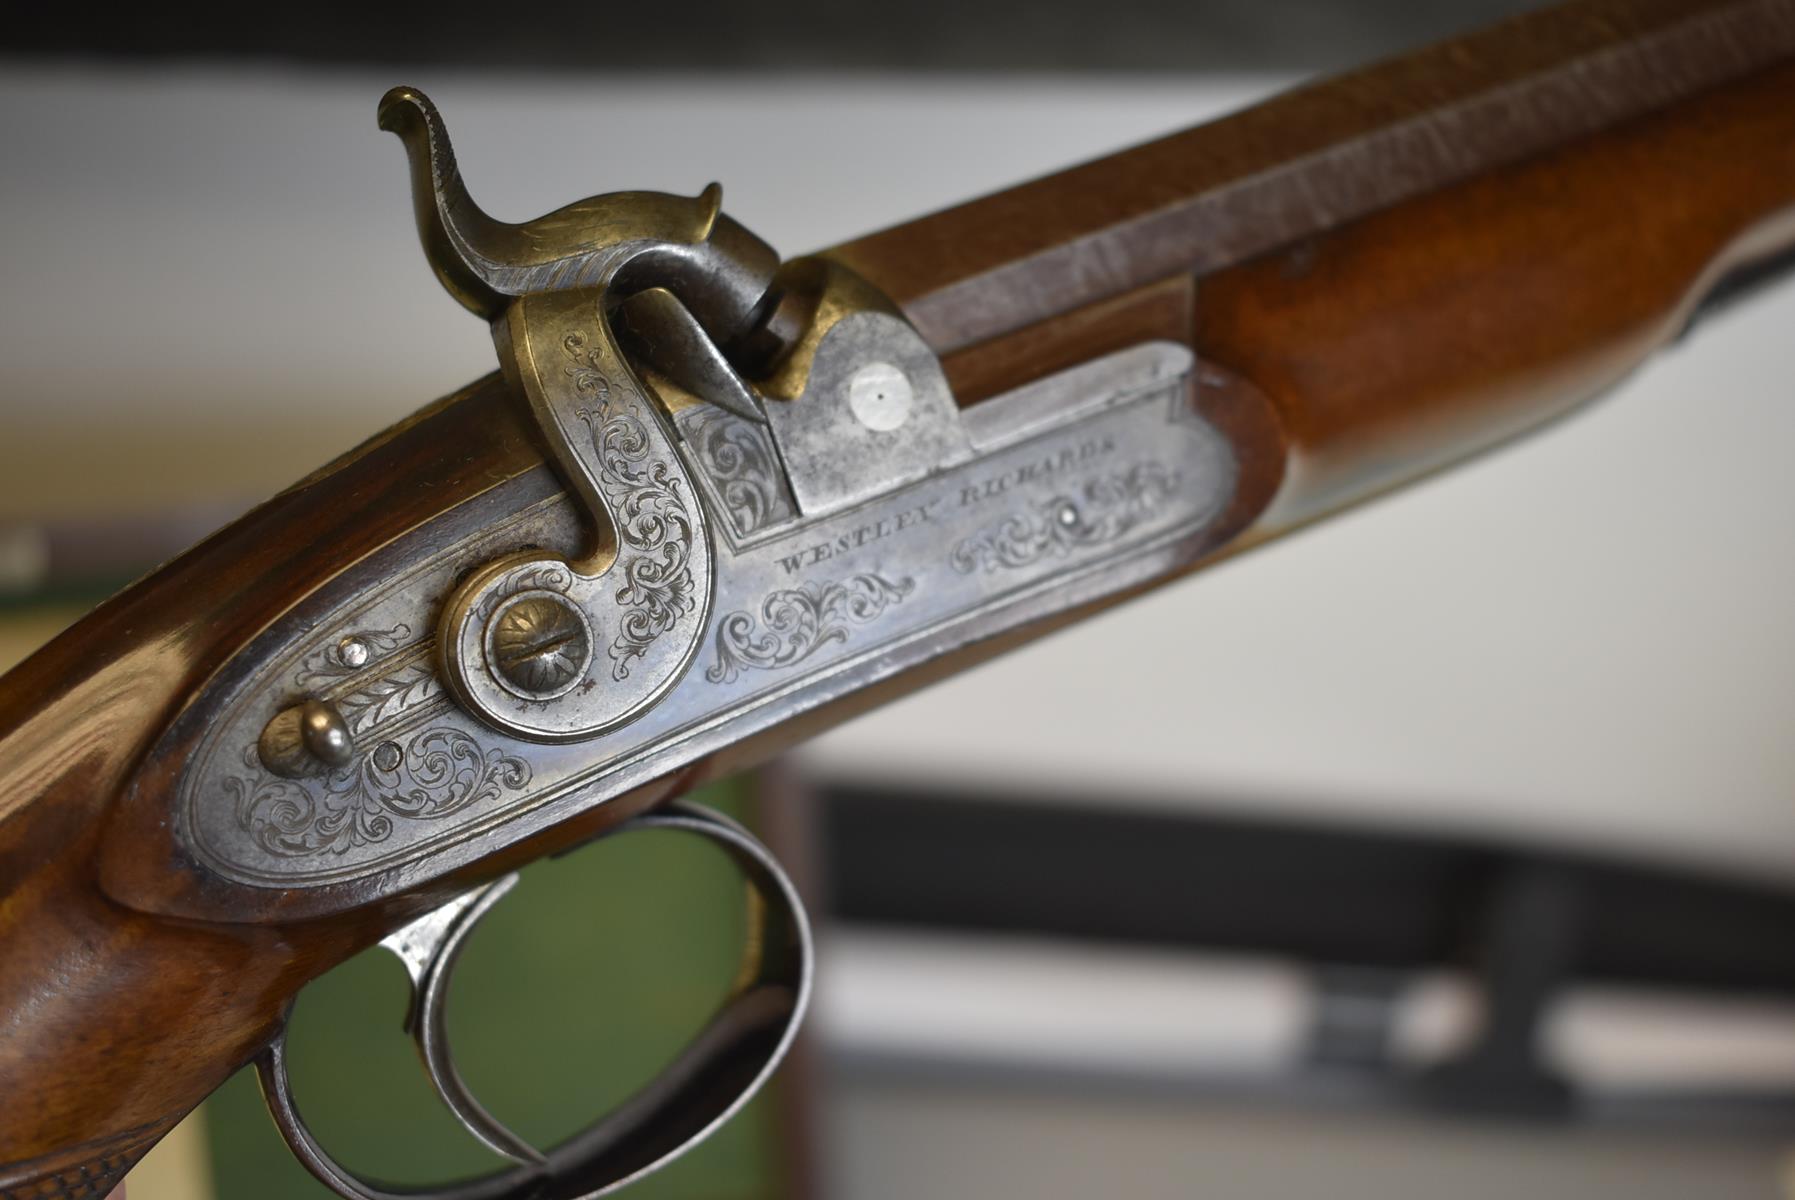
<point x="1448" y="846"/>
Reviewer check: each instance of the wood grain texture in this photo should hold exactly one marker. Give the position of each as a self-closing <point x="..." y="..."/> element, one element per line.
<point x="1396" y="270"/>
<point x="1311" y="160"/>
<point x="1426" y="333"/>
<point x="112" y="1021"/>
<point x="1428" y="284"/>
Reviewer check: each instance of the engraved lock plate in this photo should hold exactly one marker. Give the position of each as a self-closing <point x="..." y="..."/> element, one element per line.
<point x="1079" y="486"/>
<point x="712" y="558"/>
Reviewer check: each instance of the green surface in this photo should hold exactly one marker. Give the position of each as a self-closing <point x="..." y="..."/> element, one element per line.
<point x="572" y="993"/>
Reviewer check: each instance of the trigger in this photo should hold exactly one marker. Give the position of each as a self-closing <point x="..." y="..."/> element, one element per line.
<point x="417" y="944"/>
<point x="429" y="947"/>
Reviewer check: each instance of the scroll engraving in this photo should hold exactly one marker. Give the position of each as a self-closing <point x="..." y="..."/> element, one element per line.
<point x="437" y="773"/>
<point x="540" y="576"/>
<point x="739" y="458"/>
<point x="655" y="526"/>
<point x="799" y="621"/>
<point x="805" y="611"/>
<point x="366" y="694"/>
<point x="1102" y="510"/>
<point x="389" y="696"/>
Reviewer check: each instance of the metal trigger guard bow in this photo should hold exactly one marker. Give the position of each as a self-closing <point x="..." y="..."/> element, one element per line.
<point x="714" y="1076"/>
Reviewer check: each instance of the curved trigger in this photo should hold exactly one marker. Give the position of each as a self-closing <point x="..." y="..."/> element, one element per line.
<point x="428" y="947"/>
<point x="723" y="1067"/>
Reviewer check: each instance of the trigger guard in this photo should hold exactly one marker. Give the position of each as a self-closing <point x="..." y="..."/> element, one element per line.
<point x="718" y="1072"/>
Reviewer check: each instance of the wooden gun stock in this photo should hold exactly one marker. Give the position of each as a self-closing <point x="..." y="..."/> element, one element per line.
<point x="1403" y="267"/>
<point x="114" y="1023"/>
<point x="1413" y="261"/>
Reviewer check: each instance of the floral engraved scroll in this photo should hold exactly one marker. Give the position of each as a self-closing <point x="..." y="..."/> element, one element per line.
<point x="355" y="673"/>
<point x="741" y="462"/>
<point x="1102" y="510"/>
<point x="799" y="621"/>
<point x="436" y="773"/>
<point x="655" y="525"/>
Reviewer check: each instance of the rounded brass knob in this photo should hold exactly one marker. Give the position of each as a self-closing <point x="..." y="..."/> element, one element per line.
<point x="303" y="740"/>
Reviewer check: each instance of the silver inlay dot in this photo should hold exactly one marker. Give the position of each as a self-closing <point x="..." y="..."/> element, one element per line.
<point x="880" y="397"/>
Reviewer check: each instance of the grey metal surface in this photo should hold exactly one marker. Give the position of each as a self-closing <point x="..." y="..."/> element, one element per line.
<point x="833" y="456"/>
<point x="1084" y="484"/>
<point x="459" y="667"/>
<point x="636" y="601"/>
